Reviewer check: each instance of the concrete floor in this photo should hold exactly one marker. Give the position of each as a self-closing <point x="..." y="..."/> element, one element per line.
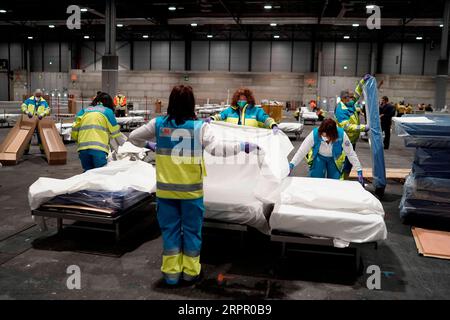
<point x="33" y="264"/>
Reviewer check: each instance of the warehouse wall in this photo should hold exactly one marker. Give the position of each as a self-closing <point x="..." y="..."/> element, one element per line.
<point x="282" y="66"/>
<point x="207" y="85"/>
<point x="339" y="58"/>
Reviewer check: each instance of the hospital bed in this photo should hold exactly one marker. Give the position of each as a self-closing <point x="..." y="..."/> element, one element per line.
<point x="307" y="115"/>
<point x="128" y="123"/>
<point x="105" y="213"/>
<point x="9" y="119"/>
<point x="292" y="128"/>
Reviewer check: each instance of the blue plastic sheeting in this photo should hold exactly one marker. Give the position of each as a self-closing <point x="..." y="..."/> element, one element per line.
<point x="436" y="171"/>
<point x="432" y="184"/>
<point x="434" y="132"/>
<point x="427" y="142"/>
<point x="411" y="192"/>
<point x="375" y="133"/>
<point x="116" y="201"/>
<point x="437" y="125"/>
<point x="425" y="156"/>
<point x="429" y="209"/>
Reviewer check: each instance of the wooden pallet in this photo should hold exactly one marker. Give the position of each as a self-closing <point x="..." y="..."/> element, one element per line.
<point x="394" y="174"/>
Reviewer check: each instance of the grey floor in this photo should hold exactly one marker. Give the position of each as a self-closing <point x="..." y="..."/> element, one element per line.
<point x="33" y="264"/>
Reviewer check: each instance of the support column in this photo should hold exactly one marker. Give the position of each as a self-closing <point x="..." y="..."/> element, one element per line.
<point x="442" y="66"/>
<point x="110" y="61"/>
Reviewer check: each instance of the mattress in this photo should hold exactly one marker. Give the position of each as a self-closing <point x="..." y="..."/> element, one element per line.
<point x="129" y="120"/>
<point x="375" y="135"/>
<point x="116" y="201"/>
<point x="237" y="206"/>
<point x="291" y="127"/>
<point x="342" y="210"/>
<point x="309" y="116"/>
<point x="345" y="226"/>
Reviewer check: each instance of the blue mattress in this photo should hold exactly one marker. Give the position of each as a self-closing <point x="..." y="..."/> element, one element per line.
<point x="116" y="201"/>
<point x="375" y="135"/>
<point x="425" y="156"/>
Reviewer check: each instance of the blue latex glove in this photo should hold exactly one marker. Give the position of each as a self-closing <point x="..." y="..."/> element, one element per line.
<point x="248" y="147"/>
<point x="151" y="145"/>
<point x="30" y="115"/>
<point x="39" y="117"/>
<point x="208" y="120"/>
<point x="360" y="178"/>
<point x="367" y="128"/>
<point x="367" y="77"/>
<point x="291" y="168"/>
<point x="275" y="129"/>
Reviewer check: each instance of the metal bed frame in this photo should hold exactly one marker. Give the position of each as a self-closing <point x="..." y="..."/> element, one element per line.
<point x="288" y="238"/>
<point x="85" y="214"/>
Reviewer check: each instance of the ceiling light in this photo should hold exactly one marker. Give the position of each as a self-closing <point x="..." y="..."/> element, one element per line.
<point x="30" y="37"/>
<point x="345" y="67"/>
<point x="419" y="38"/>
<point x="119" y="25"/>
<point x="268" y="7"/>
<point x="276" y="36"/>
<point x="346" y="37"/>
<point x="83" y="9"/>
<point x="355" y="25"/>
<point x="370" y="6"/>
<point x="209" y="36"/>
<point x="172" y="8"/>
<point x="273" y="24"/>
<point x="441" y="25"/>
<point x="145" y="36"/>
<point x="51" y="26"/>
<point x="2" y="11"/>
<point x="50" y="62"/>
<point x="86" y="37"/>
<point x="193" y="24"/>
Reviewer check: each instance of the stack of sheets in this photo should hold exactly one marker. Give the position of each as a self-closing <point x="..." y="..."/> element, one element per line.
<point x="426" y="191"/>
<point x="341" y="210"/>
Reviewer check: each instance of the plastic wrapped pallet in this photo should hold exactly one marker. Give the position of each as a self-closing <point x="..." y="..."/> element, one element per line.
<point x="426" y="192"/>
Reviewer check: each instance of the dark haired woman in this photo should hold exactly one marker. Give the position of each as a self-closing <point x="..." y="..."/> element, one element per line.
<point x="326" y="147"/>
<point x="180" y="140"/>
<point x="94" y="128"/>
<point x="243" y="112"/>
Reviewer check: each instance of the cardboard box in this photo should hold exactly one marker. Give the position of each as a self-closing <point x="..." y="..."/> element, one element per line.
<point x="17" y="140"/>
<point x="274" y="111"/>
<point x="55" y="150"/>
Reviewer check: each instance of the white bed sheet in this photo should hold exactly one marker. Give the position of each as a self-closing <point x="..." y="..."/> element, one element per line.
<point x="238" y="206"/>
<point x="291" y="127"/>
<point x="128" y="120"/>
<point x="339" y="225"/>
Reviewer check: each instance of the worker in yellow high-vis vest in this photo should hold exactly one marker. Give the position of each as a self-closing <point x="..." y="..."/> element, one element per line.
<point x="180" y="140"/>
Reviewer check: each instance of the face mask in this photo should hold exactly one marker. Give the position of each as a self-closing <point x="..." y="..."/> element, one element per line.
<point x="325" y="139"/>
<point x="241" y="103"/>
